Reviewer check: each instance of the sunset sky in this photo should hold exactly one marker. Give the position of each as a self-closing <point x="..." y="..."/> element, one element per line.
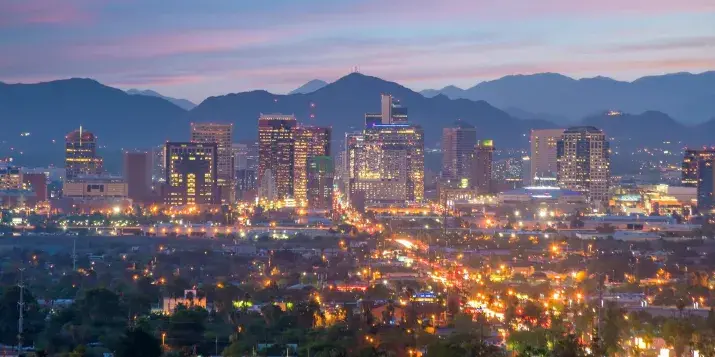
<point x="194" y="49"/>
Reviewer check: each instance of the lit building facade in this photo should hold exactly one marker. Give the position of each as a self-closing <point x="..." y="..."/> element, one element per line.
<point x="584" y="162"/>
<point x="276" y="152"/>
<point x="310" y="142"/>
<point x="691" y="160"/>
<point x="706" y="185"/>
<point x="103" y="187"/>
<point x="458" y="144"/>
<point x="482" y="165"/>
<point x="389" y="165"/>
<point x="321" y="172"/>
<point x="11" y="178"/>
<point x="221" y="135"/>
<point x="385" y="163"/>
<point x="543" y="156"/>
<point x="191" y="177"/>
<point x="81" y="155"/>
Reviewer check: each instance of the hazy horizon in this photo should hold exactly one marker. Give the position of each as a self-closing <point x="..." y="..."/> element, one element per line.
<point x="189" y="51"/>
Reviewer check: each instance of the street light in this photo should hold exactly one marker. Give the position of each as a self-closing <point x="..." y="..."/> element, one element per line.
<point x="163" y="340"/>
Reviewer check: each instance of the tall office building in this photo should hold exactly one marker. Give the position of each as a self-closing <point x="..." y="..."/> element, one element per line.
<point x="584" y="162"/>
<point x="276" y="151"/>
<point x="392" y="112"/>
<point x="320" y="182"/>
<point x="353" y="159"/>
<point x="386" y="161"/>
<point x="691" y="158"/>
<point x="706" y="185"/>
<point x="81" y="155"/>
<point x="310" y="141"/>
<point x="158" y="171"/>
<point x="458" y="144"/>
<point x="191" y="177"/>
<point x="137" y="174"/>
<point x="543" y="152"/>
<point x="240" y="156"/>
<point x="482" y="165"/>
<point x="221" y="135"/>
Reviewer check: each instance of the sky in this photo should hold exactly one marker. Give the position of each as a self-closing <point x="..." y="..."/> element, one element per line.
<point x="195" y="49"/>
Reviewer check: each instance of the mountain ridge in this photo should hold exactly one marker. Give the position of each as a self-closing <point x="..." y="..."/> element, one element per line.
<point x="179" y="102"/>
<point x="690" y="97"/>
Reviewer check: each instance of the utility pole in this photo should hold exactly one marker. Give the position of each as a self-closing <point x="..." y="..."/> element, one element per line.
<point x="21" y="310"/>
<point x="74" y="254"/>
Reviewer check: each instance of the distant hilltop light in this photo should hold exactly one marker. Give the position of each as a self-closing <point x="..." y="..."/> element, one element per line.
<point x="613" y="113"/>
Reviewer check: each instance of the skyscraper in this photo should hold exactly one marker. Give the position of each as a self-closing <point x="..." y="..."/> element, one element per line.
<point x="584" y="162"/>
<point x="221" y="135"/>
<point x="81" y="155"/>
<point x="392" y="112"/>
<point x="276" y="151"/>
<point x="158" y="174"/>
<point x="482" y="164"/>
<point x="191" y="174"/>
<point x="320" y="182"/>
<point x="386" y="162"/>
<point x="691" y="159"/>
<point x="137" y="174"/>
<point x="310" y="141"/>
<point x="458" y="144"/>
<point x="706" y="185"/>
<point x="543" y="152"/>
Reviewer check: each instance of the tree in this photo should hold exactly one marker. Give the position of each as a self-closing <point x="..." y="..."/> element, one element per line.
<point x="186" y="327"/>
<point x="138" y="343"/>
<point x="569" y="346"/>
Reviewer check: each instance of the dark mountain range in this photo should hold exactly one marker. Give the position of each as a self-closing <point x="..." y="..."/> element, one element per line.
<point x="309" y="87"/>
<point x="48" y="111"/>
<point x="181" y="103"/>
<point x="688" y="97"/>
<point x="343" y="104"/>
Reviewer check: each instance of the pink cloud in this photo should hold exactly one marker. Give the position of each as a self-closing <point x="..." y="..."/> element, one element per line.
<point x="461" y="10"/>
<point x="187" y="42"/>
<point x="30" y="12"/>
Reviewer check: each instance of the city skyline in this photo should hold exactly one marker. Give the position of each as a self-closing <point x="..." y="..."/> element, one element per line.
<point x="228" y="47"/>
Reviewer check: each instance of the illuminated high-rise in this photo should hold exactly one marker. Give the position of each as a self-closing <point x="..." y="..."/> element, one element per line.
<point x="458" y="144"/>
<point x="191" y="174"/>
<point x="392" y="112"/>
<point x="584" y="162"/>
<point x="81" y="155"/>
<point x="310" y="141"/>
<point x="706" y="185"/>
<point x="482" y="165"/>
<point x="321" y="172"/>
<point x="543" y="156"/>
<point x="386" y="161"/>
<point x="221" y="135"/>
<point x="691" y="158"/>
<point x="276" y="152"/>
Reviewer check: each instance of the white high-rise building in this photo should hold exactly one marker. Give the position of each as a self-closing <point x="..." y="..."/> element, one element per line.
<point x="543" y="152"/>
<point x="584" y="162"/>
